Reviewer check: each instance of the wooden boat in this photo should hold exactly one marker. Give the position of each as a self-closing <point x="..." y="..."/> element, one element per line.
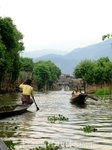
<point x="80" y="99"/>
<point x="7" y="111"/>
<point x="3" y="146"/>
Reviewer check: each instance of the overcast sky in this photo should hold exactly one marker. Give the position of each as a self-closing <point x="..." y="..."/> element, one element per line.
<point x="59" y="24"/>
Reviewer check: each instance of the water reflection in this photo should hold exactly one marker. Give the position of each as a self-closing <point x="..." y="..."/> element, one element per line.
<point x="33" y="128"/>
<point x="9" y="98"/>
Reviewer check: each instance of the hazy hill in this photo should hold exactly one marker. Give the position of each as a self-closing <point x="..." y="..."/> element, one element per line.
<point x="39" y="53"/>
<point x="68" y="62"/>
<point x="95" y="51"/>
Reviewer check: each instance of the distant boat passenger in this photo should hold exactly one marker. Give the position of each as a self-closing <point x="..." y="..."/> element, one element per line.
<point x="75" y="92"/>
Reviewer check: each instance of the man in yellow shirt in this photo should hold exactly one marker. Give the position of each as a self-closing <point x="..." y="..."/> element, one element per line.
<point x="27" y="91"/>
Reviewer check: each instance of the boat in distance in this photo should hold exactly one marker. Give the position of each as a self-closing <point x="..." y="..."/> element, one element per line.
<point x="81" y="99"/>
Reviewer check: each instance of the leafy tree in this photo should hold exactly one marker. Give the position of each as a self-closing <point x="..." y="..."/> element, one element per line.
<point x="2" y="59"/>
<point x="41" y="74"/>
<point x="85" y="71"/>
<point x="11" y="37"/>
<point x="26" y="64"/>
<point x="106" y="36"/>
<point x="10" y="46"/>
<point x="99" y="71"/>
<point x="55" y="72"/>
<point x="45" y="73"/>
<point x="16" y="68"/>
<point x="102" y="70"/>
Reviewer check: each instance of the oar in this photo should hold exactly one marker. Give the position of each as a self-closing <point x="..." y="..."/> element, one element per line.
<point x="35" y="104"/>
<point x="92" y="97"/>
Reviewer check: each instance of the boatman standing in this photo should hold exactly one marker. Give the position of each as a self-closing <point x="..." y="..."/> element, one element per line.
<point x="27" y="91"/>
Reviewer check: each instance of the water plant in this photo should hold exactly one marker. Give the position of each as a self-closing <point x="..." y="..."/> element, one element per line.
<point x="8" y="127"/>
<point x="10" y="145"/>
<point x="48" y="146"/>
<point x="102" y="91"/>
<point x="60" y="117"/>
<point x="89" y="129"/>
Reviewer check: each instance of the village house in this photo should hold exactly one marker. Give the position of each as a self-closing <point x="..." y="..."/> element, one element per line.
<point x="67" y="81"/>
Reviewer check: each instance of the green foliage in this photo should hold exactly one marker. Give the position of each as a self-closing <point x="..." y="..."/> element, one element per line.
<point x="41" y="74"/>
<point x="52" y="119"/>
<point x="10" y="46"/>
<point x="5" y="128"/>
<point x="10" y="145"/>
<point x="88" y="129"/>
<point x="102" y="70"/>
<point x="84" y="70"/>
<point x="45" y="73"/>
<point x="48" y="146"/>
<point x="102" y="91"/>
<point x="99" y="71"/>
<point x="11" y="37"/>
<point x="106" y="36"/>
<point x="26" y="64"/>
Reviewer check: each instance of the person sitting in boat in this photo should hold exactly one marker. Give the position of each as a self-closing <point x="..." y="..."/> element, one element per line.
<point x="27" y="91"/>
<point x="75" y="92"/>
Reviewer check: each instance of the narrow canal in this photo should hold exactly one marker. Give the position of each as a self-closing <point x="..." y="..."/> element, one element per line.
<point x="31" y="129"/>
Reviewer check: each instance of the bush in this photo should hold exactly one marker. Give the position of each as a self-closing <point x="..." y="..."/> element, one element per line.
<point x="101" y="92"/>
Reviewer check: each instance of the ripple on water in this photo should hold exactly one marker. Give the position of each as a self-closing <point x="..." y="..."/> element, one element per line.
<point x="33" y="128"/>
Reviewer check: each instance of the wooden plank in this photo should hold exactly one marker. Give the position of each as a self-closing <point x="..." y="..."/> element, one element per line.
<point x="3" y="146"/>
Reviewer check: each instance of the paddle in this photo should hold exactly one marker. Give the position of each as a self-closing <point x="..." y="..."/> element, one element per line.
<point x="36" y="104"/>
<point x="92" y="97"/>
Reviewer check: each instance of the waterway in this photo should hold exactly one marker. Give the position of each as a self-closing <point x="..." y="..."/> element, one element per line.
<point x="31" y="129"/>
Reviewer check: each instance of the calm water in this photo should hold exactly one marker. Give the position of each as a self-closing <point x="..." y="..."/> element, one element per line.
<point x="33" y="128"/>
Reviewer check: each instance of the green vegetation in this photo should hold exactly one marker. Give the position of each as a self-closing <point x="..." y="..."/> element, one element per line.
<point x="5" y="128"/>
<point x="10" y="46"/>
<point x="98" y="72"/>
<point x="84" y="70"/>
<point x="106" y="36"/>
<point x="48" y="146"/>
<point x="45" y="73"/>
<point x="10" y="145"/>
<point x="26" y="64"/>
<point x="88" y="129"/>
<point x="52" y="119"/>
<point x="102" y="91"/>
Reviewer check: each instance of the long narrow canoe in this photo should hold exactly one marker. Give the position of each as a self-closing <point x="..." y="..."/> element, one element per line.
<point x="3" y="146"/>
<point x="8" y="111"/>
<point x="80" y="99"/>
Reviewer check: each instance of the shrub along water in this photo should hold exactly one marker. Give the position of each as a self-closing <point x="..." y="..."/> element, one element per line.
<point x="102" y="92"/>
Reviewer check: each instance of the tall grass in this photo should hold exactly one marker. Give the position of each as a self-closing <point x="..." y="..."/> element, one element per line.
<point x="102" y="92"/>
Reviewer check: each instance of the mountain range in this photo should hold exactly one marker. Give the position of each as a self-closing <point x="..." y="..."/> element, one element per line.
<point x="67" y="61"/>
<point x="39" y="53"/>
